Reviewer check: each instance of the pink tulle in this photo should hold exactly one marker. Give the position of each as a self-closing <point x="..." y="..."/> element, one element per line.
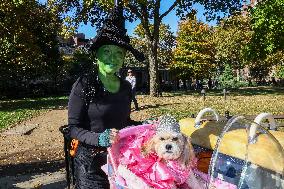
<point x="151" y="169"/>
<point x="155" y="173"/>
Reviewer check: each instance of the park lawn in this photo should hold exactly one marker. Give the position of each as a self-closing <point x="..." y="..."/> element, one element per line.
<point x="249" y="101"/>
<point x="15" y="111"/>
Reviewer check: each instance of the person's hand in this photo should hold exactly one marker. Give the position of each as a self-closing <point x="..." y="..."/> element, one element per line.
<point x="113" y="136"/>
<point x="108" y="137"/>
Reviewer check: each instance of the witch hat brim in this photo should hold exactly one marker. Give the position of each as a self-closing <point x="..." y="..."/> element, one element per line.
<point x="113" y="32"/>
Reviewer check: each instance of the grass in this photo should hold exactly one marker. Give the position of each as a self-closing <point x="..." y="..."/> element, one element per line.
<point x="249" y="101"/>
<point x="15" y="111"/>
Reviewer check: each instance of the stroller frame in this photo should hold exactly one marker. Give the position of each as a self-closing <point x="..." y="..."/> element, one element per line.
<point x="69" y="160"/>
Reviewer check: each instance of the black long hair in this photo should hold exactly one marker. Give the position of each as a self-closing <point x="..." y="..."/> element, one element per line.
<point x="92" y="87"/>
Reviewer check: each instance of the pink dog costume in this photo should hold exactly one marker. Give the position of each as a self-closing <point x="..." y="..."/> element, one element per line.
<point x="152" y="173"/>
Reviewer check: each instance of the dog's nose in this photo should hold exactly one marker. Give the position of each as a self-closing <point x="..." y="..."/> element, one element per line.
<point x="168" y="147"/>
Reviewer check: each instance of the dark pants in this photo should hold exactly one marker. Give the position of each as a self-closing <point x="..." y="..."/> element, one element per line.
<point x="134" y="99"/>
<point x="88" y="172"/>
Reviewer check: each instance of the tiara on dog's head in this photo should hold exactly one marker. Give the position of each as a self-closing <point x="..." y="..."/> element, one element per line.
<point x="168" y="123"/>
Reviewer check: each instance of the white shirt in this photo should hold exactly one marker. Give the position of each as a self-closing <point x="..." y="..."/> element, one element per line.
<point x="131" y="80"/>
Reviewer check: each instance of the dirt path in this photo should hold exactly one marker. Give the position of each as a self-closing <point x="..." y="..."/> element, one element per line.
<point x="35" y="159"/>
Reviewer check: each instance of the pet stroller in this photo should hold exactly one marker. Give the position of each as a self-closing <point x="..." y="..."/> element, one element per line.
<point x="112" y="168"/>
<point x="127" y="151"/>
<point x="231" y="154"/>
<point x="69" y="159"/>
<point x="247" y="154"/>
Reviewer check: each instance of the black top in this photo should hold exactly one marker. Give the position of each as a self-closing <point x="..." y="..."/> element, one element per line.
<point x="88" y="119"/>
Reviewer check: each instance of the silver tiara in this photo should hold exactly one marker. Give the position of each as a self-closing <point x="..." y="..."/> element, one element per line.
<point x="168" y="123"/>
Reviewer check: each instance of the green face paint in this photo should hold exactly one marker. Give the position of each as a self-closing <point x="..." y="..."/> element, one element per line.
<point x="110" y="59"/>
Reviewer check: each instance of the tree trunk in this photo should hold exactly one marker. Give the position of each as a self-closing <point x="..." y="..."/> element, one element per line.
<point x="153" y="69"/>
<point x="152" y="40"/>
<point x="238" y="74"/>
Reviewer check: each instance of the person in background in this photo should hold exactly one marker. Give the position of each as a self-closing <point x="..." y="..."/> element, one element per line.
<point x="100" y="103"/>
<point x="209" y="83"/>
<point x="132" y="80"/>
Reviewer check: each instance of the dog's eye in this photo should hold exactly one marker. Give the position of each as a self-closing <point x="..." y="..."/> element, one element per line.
<point x="162" y="138"/>
<point x="175" y="139"/>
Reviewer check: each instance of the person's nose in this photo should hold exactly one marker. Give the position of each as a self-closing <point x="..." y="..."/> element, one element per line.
<point x="112" y="58"/>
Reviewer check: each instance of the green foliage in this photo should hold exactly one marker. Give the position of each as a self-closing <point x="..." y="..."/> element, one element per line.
<point x="146" y="11"/>
<point x="260" y="68"/>
<point x="235" y="84"/>
<point x="165" y="46"/>
<point x="279" y="58"/>
<point x="94" y="11"/>
<point x="227" y="73"/>
<point x="267" y="21"/>
<point x="194" y="54"/>
<point x="140" y="45"/>
<point x="230" y="39"/>
<point x="81" y="62"/>
<point x="28" y="43"/>
<point x="280" y="72"/>
<point x="226" y="79"/>
<point x="265" y="49"/>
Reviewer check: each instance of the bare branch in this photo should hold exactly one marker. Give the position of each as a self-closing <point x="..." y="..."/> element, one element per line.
<point x="169" y="10"/>
<point x="145" y="21"/>
<point x="157" y="21"/>
<point x="134" y="10"/>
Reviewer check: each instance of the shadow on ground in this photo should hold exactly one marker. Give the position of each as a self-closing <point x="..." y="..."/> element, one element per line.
<point x="145" y="107"/>
<point x="33" y="167"/>
<point x="246" y="91"/>
<point x="43" y="175"/>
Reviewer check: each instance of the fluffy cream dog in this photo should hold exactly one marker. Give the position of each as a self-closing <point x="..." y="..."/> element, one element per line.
<point x="169" y="143"/>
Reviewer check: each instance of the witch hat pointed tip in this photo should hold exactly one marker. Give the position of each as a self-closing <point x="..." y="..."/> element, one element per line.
<point x="113" y="32"/>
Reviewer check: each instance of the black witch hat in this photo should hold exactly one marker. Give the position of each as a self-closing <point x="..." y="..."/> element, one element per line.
<point x="113" y="32"/>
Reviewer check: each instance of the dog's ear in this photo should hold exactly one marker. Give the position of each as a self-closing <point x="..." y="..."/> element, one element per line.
<point x="188" y="153"/>
<point x="148" y="147"/>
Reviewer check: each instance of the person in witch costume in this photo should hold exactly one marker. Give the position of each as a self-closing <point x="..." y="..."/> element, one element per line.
<point x="100" y="103"/>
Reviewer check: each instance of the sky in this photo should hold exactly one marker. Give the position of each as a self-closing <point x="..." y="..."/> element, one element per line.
<point x="171" y="19"/>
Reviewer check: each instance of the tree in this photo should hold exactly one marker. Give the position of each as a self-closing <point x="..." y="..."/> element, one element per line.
<point x="226" y="79"/>
<point x="277" y="59"/>
<point x="165" y="46"/>
<point x="147" y="12"/>
<point x="280" y="71"/>
<point x="28" y="42"/>
<point x="267" y="42"/>
<point x="140" y="45"/>
<point x="194" y="54"/>
<point x="81" y="62"/>
<point x="230" y="39"/>
<point x="267" y="20"/>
